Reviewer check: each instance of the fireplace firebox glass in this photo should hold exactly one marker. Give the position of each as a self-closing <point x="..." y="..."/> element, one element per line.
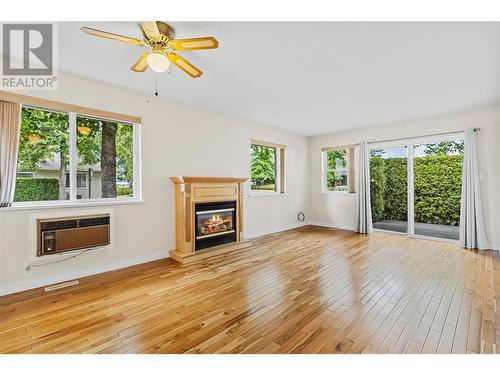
<point x="215" y="224"/>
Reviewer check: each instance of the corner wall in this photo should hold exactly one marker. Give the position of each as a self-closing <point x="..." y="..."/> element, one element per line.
<point x="339" y="210"/>
<point x="177" y="139"/>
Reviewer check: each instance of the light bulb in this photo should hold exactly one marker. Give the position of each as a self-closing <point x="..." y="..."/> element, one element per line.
<point x="158" y="62"/>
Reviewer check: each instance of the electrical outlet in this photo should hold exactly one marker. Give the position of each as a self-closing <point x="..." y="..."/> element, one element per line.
<point x="28" y="270"/>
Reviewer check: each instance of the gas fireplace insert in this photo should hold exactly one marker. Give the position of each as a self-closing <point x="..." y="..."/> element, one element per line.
<point x="215" y="224"/>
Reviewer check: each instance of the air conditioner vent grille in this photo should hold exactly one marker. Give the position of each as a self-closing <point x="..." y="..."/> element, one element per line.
<point x="60" y="224"/>
<point x="74" y="223"/>
<point x="93" y="221"/>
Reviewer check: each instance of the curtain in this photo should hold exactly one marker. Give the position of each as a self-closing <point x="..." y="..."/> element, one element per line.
<point x="472" y="229"/>
<point x="363" y="206"/>
<point x="9" y="138"/>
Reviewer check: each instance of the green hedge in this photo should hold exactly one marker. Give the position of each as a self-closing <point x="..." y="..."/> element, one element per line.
<point x="36" y="189"/>
<point x="124" y="190"/>
<point x="437" y="189"/>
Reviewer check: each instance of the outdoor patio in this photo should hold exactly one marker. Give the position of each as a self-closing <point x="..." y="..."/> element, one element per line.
<point x="423" y="229"/>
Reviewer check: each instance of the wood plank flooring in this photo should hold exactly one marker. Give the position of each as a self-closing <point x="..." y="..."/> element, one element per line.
<point x="311" y="290"/>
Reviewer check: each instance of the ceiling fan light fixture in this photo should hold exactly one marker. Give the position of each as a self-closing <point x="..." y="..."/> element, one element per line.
<point x="159" y="62"/>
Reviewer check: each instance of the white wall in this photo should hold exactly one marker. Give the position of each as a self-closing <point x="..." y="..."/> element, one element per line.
<point x="177" y="140"/>
<point x="339" y="210"/>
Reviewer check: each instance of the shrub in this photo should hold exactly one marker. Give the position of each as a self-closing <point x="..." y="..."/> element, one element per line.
<point x="437" y="187"/>
<point x="36" y="189"/>
<point x="124" y="190"/>
<point x="377" y="188"/>
<point x="396" y="194"/>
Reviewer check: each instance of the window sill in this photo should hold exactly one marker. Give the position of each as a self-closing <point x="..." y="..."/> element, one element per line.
<point x="266" y="194"/>
<point x="337" y="193"/>
<point x="21" y="206"/>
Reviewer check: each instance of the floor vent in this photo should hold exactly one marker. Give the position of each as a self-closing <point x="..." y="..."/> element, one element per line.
<point x="61" y="285"/>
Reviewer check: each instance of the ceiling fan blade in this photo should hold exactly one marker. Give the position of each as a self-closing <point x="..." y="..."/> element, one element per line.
<point x="191" y="44"/>
<point x="105" y="34"/>
<point x="184" y="65"/>
<point x="151" y="30"/>
<point x="141" y="64"/>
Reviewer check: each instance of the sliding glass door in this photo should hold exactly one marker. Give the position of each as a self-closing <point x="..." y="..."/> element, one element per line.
<point x="389" y="188"/>
<point x="437" y="171"/>
<point x="415" y="187"/>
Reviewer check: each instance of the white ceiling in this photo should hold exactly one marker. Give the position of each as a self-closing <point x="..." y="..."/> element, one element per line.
<point x="309" y="78"/>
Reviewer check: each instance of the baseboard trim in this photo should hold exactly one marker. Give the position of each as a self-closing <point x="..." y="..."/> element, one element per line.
<point x="495" y="247"/>
<point x="33" y="284"/>
<point x="331" y="225"/>
<point x="276" y="230"/>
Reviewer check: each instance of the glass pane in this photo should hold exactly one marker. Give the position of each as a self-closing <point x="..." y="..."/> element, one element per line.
<point x="389" y="188"/>
<point x="336" y="170"/>
<point x="438" y="185"/>
<point x="105" y="159"/>
<point x="214" y="223"/>
<point x="263" y="168"/>
<point x="43" y="157"/>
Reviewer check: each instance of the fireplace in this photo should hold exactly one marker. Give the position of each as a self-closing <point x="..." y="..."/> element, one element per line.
<point x="208" y="217"/>
<point x="215" y="224"/>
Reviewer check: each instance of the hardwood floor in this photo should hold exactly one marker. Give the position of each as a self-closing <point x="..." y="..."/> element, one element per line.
<point x="312" y="290"/>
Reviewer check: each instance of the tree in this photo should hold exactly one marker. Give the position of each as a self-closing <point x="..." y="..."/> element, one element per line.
<point x="263" y="165"/>
<point x="444" y="148"/>
<point x="377" y="153"/>
<point x="125" y="152"/>
<point x="108" y="159"/>
<point x="335" y="159"/>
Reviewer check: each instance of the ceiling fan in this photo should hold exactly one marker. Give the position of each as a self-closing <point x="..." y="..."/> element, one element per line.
<point x="160" y="37"/>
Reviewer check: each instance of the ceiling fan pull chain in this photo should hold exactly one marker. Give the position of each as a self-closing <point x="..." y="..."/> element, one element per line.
<point x="156" y="84"/>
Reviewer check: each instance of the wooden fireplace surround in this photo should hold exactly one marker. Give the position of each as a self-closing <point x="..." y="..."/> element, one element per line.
<point x="192" y="190"/>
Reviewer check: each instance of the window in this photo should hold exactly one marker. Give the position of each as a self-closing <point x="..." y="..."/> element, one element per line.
<point x="43" y="152"/>
<point x="81" y="180"/>
<point x="68" y="156"/>
<point x="105" y="150"/>
<point x="338" y="174"/>
<point x="25" y="175"/>
<point x="267" y="167"/>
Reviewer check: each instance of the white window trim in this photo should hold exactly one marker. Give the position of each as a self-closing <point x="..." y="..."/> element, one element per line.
<point x="45" y="205"/>
<point x="73" y="163"/>
<point x="324" y="188"/>
<point x="277" y="192"/>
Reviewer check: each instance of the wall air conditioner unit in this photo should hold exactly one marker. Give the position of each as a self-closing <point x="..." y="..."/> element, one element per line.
<point x="72" y="233"/>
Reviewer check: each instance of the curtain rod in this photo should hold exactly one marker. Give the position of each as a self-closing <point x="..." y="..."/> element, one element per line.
<point x="420" y="136"/>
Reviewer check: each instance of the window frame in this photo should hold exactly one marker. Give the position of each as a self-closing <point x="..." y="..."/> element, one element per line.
<point x="349" y="167"/>
<point x="280" y="170"/>
<point x="31" y="173"/>
<point x="78" y="173"/>
<point x="73" y="163"/>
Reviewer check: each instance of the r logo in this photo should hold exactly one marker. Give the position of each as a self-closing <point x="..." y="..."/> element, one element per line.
<point x="33" y="43"/>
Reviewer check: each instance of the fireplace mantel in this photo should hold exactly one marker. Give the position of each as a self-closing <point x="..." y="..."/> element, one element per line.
<point x="192" y="190"/>
<point x="197" y="179"/>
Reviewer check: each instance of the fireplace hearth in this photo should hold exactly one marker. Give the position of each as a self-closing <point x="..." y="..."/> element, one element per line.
<point x="215" y="224"/>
